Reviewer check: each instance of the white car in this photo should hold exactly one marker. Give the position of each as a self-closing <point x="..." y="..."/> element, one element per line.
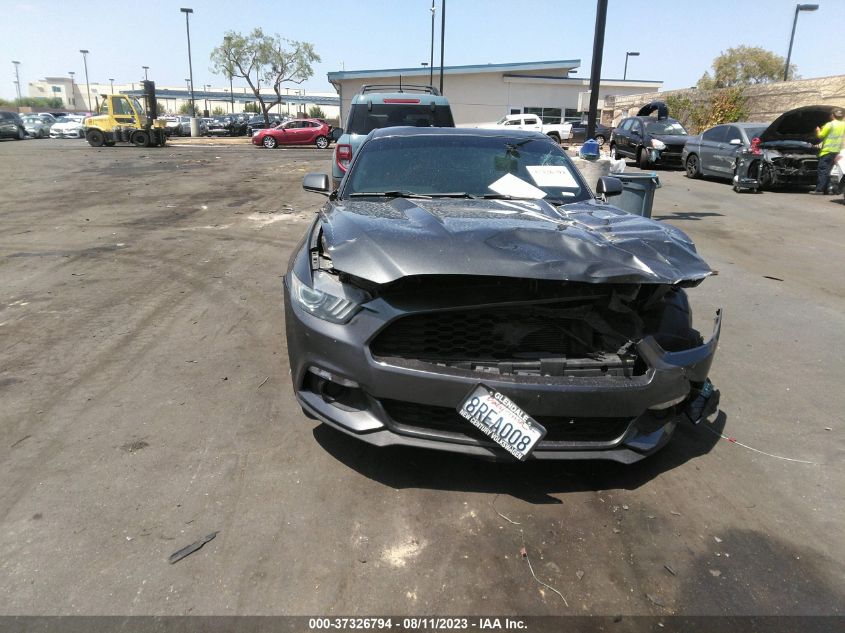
<point x="556" y="131"/>
<point x="67" y="127"/>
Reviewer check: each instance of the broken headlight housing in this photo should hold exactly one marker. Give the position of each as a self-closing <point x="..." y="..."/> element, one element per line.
<point x="321" y="304"/>
<point x="658" y="144"/>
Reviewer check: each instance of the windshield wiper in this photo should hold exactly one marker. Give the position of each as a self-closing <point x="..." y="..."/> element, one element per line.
<point x="387" y="194"/>
<point x="503" y="196"/>
<point x="452" y="194"/>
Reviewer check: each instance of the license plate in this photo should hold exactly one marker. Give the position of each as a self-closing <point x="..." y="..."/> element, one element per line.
<point x="502" y="421"/>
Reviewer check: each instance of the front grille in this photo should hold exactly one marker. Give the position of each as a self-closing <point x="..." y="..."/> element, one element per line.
<point x="501" y="333"/>
<point x="410" y="416"/>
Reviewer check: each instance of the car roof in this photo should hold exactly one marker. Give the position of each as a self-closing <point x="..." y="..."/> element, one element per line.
<point x="457" y="131"/>
<point x="382" y="97"/>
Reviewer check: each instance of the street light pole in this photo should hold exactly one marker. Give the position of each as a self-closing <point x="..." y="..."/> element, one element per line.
<point x="111" y="83"/>
<point x="627" y="55"/>
<point x="187" y="12"/>
<point x="17" y="80"/>
<point x="431" y="61"/>
<point x="85" y="52"/>
<point x="595" y="67"/>
<point x="205" y="87"/>
<point x="146" y="77"/>
<point x="798" y="8"/>
<point x="72" y="90"/>
<point x="442" y="39"/>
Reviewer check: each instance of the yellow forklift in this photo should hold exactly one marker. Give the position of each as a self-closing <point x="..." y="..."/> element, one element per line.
<point x="123" y="119"/>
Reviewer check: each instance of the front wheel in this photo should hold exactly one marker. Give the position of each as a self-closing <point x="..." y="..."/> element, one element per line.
<point x="141" y="139"/>
<point x="554" y="138"/>
<point x="269" y="142"/>
<point x="95" y="138"/>
<point x="600" y="140"/>
<point x="21" y="134"/>
<point x="321" y="142"/>
<point x="692" y="166"/>
<point x="642" y="159"/>
<point x="614" y="152"/>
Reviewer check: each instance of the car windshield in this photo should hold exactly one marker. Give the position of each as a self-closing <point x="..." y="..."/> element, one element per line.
<point x="665" y="128"/>
<point x="364" y="121"/>
<point x="465" y="166"/>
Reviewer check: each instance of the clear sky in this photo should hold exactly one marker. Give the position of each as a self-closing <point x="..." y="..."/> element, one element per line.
<point x="677" y="39"/>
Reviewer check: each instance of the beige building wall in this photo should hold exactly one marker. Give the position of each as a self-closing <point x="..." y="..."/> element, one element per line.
<point x="481" y="97"/>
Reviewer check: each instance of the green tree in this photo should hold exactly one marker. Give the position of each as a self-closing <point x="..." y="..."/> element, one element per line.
<point x="185" y="108"/>
<point x="745" y="65"/>
<point x="251" y="107"/>
<point x="264" y="60"/>
<point x="218" y="111"/>
<point x="316" y="112"/>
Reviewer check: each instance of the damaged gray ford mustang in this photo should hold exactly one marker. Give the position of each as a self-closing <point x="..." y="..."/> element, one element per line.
<point x="464" y="290"/>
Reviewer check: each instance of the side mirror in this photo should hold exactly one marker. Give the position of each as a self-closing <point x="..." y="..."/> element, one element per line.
<point x="317" y="183"/>
<point x="735" y="141"/>
<point x="608" y="186"/>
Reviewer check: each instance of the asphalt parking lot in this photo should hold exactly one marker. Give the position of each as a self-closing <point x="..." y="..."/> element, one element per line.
<point x="146" y="403"/>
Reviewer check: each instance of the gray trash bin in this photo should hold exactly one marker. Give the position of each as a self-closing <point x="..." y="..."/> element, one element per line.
<point x="637" y="193"/>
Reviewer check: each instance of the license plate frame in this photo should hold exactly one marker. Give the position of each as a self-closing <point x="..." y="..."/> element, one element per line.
<point x="500" y="419"/>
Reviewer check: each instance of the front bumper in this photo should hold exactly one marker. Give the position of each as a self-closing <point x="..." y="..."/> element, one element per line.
<point x="337" y="380"/>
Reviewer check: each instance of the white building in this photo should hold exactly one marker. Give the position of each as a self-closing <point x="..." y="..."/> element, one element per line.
<point x="74" y="96"/>
<point x="487" y="92"/>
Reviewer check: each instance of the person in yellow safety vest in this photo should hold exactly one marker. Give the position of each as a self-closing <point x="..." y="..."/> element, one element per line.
<point x="831" y="135"/>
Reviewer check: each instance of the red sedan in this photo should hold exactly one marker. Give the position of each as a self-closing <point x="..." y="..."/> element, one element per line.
<point x="296" y="132"/>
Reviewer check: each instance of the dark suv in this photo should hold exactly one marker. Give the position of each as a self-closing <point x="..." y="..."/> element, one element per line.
<point x="11" y="126"/>
<point x="648" y="140"/>
<point x="379" y="106"/>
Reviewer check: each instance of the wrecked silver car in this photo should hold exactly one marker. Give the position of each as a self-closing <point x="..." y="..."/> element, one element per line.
<point x="464" y="290"/>
<point x="784" y="154"/>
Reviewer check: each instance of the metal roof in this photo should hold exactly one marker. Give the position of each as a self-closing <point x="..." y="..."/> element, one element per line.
<point x="564" y="64"/>
<point x="167" y="93"/>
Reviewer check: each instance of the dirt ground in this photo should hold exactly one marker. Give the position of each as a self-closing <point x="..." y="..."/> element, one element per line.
<point x="145" y="403"/>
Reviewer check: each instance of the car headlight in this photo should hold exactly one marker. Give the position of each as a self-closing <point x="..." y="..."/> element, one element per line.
<point x="321" y="304"/>
<point x="658" y="144"/>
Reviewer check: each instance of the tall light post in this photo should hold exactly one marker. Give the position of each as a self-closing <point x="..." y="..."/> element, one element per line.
<point x="188" y="89"/>
<point x="431" y="61"/>
<point x="17" y="80"/>
<point x="111" y="83"/>
<point x="187" y="12"/>
<point x="205" y="88"/>
<point x="595" y="67"/>
<point x="627" y="55"/>
<point x="798" y="9"/>
<point x="85" y="52"/>
<point x="146" y="77"/>
<point x="72" y="90"/>
<point x="442" y="39"/>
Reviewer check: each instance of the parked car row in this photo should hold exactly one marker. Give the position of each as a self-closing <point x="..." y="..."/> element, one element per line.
<point x="753" y="156"/>
<point x="41" y="125"/>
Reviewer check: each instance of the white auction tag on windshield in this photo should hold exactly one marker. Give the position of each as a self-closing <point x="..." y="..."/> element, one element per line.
<point x="552" y="176"/>
<point x="510" y="185"/>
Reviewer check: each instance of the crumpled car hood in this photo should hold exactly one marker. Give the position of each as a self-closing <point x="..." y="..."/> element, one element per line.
<point x="382" y="241"/>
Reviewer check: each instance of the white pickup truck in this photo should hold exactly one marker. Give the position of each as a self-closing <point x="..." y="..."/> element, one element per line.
<point x="558" y="132"/>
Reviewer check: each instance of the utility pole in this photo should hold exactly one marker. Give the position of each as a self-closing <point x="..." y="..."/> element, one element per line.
<point x="431" y="61"/>
<point x="187" y="12"/>
<point x="798" y="9"/>
<point x="146" y="68"/>
<point x="72" y="90"/>
<point x="595" y="67"/>
<point x="442" y="39"/>
<point x="17" y="80"/>
<point x="111" y="83"/>
<point x="85" y="52"/>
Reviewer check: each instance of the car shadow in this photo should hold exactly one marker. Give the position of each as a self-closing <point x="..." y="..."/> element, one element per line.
<point x="689" y="215"/>
<point x="533" y="481"/>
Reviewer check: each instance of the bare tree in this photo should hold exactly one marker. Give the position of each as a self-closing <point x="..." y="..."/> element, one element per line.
<point x="264" y="61"/>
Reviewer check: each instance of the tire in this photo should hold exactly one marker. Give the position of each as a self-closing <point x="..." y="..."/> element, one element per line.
<point x="765" y="177"/>
<point x="321" y="142"/>
<point x="42" y="134"/>
<point x="554" y="138"/>
<point x="614" y="153"/>
<point x="163" y="140"/>
<point x="692" y="167"/>
<point x="600" y="140"/>
<point x="642" y="159"/>
<point x="141" y="139"/>
<point x="269" y="142"/>
<point x="95" y="138"/>
<point x="21" y="134"/>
